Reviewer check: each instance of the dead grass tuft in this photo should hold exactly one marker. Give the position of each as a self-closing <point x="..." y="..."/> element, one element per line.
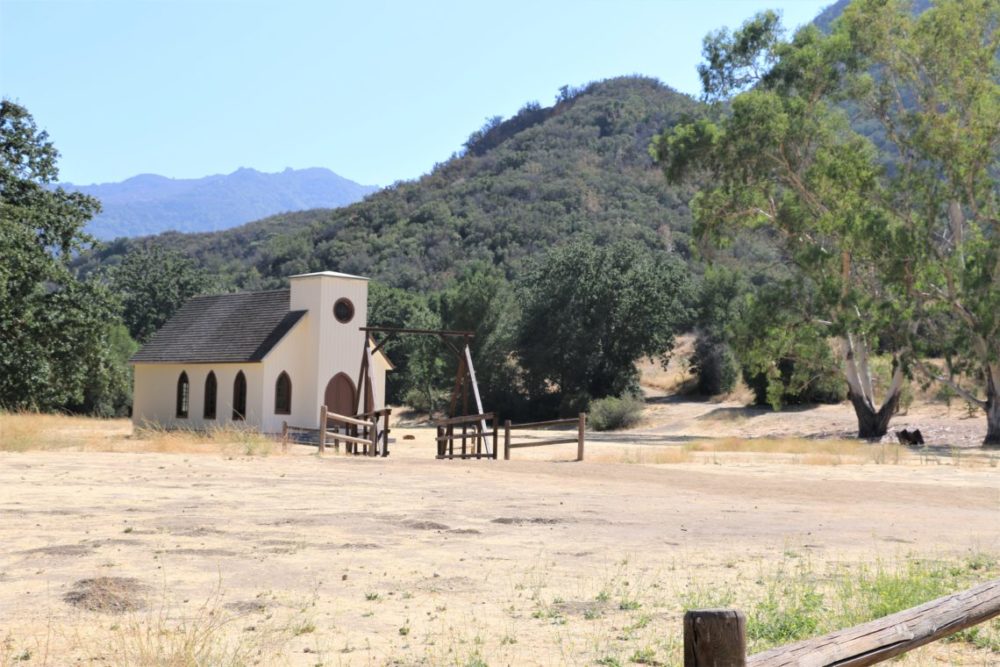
<point x="643" y="456"/>
<point x="209" y="636"/>
<point x="809" y="452"/>
<point x="24" y="431"/>
<point x="31" y="431"/>
<point x="224" y="439"/>
<point x="108" y="595"/>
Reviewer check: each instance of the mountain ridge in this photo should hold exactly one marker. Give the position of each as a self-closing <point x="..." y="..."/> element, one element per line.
<point x="522" y="185"/>
<point x="147" y="204"/>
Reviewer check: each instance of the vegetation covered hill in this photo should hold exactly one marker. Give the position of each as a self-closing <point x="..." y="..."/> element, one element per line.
<point x="579" y="167"/>
<point x="150" y="204"/>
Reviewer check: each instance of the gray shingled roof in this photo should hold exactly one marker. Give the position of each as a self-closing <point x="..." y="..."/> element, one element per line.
<point x="222" y="328"/>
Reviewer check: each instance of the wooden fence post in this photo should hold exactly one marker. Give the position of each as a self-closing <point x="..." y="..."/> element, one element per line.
<point x="385" y="435"/>
<point x="496" y="424"/>
<point x="374" y="436"/>
<point x="581" y="427"/>
<point x="715" y="638"/>
<point x="322" y="429"/>
<point x="506" y="440"/>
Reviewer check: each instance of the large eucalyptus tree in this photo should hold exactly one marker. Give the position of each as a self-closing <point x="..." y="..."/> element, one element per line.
<point x="900" y="241"/>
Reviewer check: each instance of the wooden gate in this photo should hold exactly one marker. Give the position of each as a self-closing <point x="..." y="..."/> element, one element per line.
<point x="475" y="441"/>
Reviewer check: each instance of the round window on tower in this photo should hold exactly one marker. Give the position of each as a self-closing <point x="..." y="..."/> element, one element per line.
<point x="343" y="310"/>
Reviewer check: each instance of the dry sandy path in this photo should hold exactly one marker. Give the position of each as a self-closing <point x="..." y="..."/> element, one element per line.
<point x="458" y="552"/>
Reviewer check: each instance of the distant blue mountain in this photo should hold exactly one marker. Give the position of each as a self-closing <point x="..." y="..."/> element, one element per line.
<point x="150" y="204"/>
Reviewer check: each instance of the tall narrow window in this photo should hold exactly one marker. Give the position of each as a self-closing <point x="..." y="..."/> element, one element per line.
<point x="211" y="391"/>
<point x="183" y="395"/>
<point x="283" y="395"/>
<point x="240" y="397"/>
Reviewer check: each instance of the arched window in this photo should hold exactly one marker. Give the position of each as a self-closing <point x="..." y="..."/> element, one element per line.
<point x="183" y="396"/>
<point x="211" y="391"/>
<point x="240" y="397"/>
<point x="283" y="395"/>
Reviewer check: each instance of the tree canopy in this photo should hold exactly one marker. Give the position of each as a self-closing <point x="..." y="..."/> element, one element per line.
<point x="591" y="312"/>
<point x="60" y="341"/>
<point x="892" y="244"/>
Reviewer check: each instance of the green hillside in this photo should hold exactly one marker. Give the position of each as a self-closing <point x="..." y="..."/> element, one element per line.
<point x="579" y="167"/>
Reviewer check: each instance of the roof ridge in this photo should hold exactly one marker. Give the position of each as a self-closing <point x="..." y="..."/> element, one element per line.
<point x="263" y="291"/>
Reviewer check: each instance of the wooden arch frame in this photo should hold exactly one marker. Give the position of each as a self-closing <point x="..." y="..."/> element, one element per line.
<point x="465" y="375"/>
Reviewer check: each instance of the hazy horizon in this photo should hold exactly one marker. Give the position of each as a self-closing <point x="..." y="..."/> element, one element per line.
<point x="377" y="93"/>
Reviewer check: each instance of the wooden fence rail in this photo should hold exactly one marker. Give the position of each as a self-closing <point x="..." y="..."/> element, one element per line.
<point x="360" y="433"/>
<point x="581" y="426"/>
<point x="717" y="637"/>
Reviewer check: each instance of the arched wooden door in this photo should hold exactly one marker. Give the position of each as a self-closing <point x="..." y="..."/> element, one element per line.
<point x="340" y="396"/>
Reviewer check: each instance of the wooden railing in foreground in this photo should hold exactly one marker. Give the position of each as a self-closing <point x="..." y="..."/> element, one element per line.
<point x="478" y="448"/>
<point x="360" y="433"/>
<point x="581" y="425"/>
<point x="717" y="637"/>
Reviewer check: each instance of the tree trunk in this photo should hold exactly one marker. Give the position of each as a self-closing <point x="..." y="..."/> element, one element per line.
<point x="992" y="440"/>
<point x="872" y="424"/>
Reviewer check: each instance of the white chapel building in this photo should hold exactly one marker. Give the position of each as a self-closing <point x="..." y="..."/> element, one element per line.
<point x="260" y="358"/>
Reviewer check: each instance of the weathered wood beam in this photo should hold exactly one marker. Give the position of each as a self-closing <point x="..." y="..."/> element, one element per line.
<point x="887" y="637"/>
<point x="715" y="638"/>
<point x="424" y="332"/>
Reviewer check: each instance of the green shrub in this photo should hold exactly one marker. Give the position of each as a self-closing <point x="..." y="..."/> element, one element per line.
<point x="608" y="414"/>
<point x="428" y="401"/>
<point x="715" y="366"/>
<point x="796" y="382"/>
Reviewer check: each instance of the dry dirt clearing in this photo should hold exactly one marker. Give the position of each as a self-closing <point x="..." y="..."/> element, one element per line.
<point x="124" y="558"/>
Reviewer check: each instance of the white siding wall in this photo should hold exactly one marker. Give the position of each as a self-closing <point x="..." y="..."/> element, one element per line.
<point x="335" y="347"/>
<point x="317" y="348"/>
<point x="155" y="397"/>
<point x="293" y="355"/>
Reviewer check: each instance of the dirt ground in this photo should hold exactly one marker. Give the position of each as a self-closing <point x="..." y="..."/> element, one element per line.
<point x="302" y="560"/>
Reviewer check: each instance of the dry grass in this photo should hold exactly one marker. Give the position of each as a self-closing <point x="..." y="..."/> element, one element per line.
<point x="225" y="440"/>
<point x="644" y="456"/>
<point x="29" y="431"/>
<point x="209" y="636"/>
<point x="24" y="431"/>
<point x="110" y="595"/>
<point x="788" y="450"/>
<point x="677" y="375"/>
<point x="165" y="634"/>
<point x="809" y="452"/>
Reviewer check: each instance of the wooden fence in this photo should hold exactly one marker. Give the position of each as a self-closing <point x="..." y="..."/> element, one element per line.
<point x="474" y="443"/>
<point x="581" y="425"/>
<point x="717" y="637"/>
<point x="360" y="434"/>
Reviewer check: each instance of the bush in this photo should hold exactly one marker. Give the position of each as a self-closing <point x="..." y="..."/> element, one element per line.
<point x="608" y="414"/>
<point x="427" y="401"/>
<point x="715" y="365"/>
<point x="796" y="384"/>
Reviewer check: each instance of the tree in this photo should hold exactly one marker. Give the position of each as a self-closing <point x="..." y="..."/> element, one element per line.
<point x="482" y="301"/>
<point x="55" y="330"/>
<point x="418" y="360"/>
<point x="781" y="154"/>
<point x="153" y="283"/>
<point x="931" y="81"/>
<point x="591" y="312"/>
<point x="720" y="295"/>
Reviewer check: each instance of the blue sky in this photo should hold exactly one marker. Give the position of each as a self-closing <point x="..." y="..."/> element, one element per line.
<point x="376" y="91"/>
